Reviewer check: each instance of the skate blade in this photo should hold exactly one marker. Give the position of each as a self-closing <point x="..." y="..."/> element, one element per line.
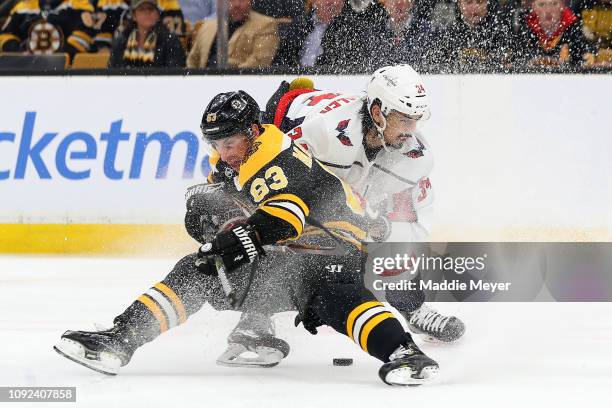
<point x="432" y="340"/>
<point x="107" y="364"/>
<point x="266" y="357"/>
<point x="406" y="376"/>
<point x="428" y="338"/>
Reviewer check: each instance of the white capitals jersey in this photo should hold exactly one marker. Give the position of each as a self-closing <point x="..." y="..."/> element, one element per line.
<point x="330" y="125"/>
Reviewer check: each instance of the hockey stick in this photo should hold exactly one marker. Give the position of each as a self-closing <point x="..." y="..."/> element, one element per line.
<point x="230" y="294"/>
<point x="225" y="284"/>
<point x="293" y="248"/>
<point x="289" y="248"/>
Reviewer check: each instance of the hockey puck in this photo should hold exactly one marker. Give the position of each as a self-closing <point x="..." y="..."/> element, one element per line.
<point x="343" y="362"/>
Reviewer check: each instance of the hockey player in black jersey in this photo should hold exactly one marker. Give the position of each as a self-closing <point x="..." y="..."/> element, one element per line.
<point x="294" y="197"/>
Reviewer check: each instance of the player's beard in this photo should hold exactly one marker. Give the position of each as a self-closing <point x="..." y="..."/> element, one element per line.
<point x="401" y="141"/>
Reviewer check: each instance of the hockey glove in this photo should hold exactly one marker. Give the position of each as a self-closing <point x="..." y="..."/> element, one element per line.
<point x="379" y="228"/>
<point x="309" y="318"/>
<point x="210" y="208"/>
<point x="234" y="247"/>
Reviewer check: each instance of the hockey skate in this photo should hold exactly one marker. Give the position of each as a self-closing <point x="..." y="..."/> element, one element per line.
<point x="408" y="365"/>
<point x="435" y="327"/>
<point x="254" y="334"/>
<point x="102" y="351"/>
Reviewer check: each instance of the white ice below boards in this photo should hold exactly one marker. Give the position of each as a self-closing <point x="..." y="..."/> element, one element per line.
<point x="514" y="354"/>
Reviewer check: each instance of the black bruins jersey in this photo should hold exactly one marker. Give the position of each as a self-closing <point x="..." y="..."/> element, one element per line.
<point x="292" y="192"/>
<point x="111" y="18"/>
<point x="39" y="28"/>
<point x="172" y="16"/>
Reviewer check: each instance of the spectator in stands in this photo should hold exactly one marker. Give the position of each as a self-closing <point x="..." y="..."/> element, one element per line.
<point x="513" y="13"/>
<point x="477" y="39"/>
<point x="280" y="9"/>
<point x="414" y="42"/>
<point x="49" y="26"/>
<point x="436" y="13"/>
<point x="147" y="42"/>
<point x="253" y="39"/>
<point x="400" y="17"/>
<point x="112" y="17"/>
<point x="597" y="27"/>
<point x="334" y="36"/>
<point x="551" y="35"/>
<point x="196" y="10"/>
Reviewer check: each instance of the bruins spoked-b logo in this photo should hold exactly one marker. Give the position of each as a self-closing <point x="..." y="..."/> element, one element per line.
<point x="44" y="38"/>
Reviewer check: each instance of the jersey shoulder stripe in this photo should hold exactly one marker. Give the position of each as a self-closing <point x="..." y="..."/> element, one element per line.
<point x="265" y="148"/>
<point x="213" y="158"/>
<point x="80" y="5"/>
<point x="26" y="7"/>
<point x="290" y="197"/>
<point x="288" y="216"/>
<point x="112" y="4"/>
<point x="289" y="208"/>
<point x="169" y="5"/>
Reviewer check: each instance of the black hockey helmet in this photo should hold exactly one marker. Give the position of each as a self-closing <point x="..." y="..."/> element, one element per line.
<point x="229" y="113"/>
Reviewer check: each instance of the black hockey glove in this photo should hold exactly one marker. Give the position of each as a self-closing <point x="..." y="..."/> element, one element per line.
<point x="210" y="208"/>
<point x="234" y="247"/>
<point x="309" y="318"/>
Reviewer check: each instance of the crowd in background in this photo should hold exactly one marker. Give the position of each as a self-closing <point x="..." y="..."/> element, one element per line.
<point x="335" y="35"/>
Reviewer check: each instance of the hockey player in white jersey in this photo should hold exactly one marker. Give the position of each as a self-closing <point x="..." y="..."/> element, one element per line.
<point x="372" y="142"/>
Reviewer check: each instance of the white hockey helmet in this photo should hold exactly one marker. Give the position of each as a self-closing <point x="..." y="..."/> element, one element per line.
<point x="398" y="87"/>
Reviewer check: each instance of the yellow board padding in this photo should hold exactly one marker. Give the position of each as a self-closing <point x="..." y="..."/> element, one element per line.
<point x="162" y="240"/>
<point x="170" y="240"/>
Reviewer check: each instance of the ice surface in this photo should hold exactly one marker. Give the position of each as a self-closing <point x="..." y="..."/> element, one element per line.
<point x="513" y="354"/>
